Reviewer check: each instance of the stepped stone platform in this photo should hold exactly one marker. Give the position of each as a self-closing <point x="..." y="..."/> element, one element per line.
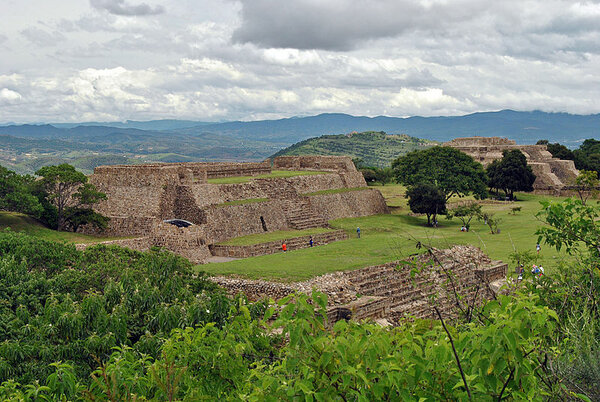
<point x="553" y="175"/>
<point x="396" y="290"/>
<point x="294" y="243"/>
<point x="140" y="198"/>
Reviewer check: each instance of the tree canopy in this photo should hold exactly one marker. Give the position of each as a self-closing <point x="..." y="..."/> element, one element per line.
<point x="511" y="173"/>
<point x="72" y="197"/>
<point x="15" y="193"/>
<point x="453" y="172"/>
<point x="426" y="198"/>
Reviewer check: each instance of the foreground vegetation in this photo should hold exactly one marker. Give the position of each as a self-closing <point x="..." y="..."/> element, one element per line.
<point x="112" y="324"/>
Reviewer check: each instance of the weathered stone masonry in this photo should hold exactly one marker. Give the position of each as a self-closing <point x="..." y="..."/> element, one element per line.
<point x="141" y="197"/>
<point x="390" y="290"/>
<point x="553" y="176"/>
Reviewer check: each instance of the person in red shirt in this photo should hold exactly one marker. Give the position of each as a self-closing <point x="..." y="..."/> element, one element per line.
<point x="284" y="247"/>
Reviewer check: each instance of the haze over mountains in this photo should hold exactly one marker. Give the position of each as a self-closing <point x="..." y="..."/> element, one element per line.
<point x="26" y="147"/>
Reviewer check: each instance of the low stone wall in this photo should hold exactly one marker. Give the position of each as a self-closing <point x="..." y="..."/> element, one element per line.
<point x="138" y="244"/>
<point x="121" y="226"/>
<point x="313" y="162"/>
<point x="273" y="247"/>
<point x="349" y="204"/>
<point x="218" y="169"/>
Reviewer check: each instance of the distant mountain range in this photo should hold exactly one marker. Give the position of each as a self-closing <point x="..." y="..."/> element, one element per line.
<point x="524" y="127"/>
<point x="179" y="140"/>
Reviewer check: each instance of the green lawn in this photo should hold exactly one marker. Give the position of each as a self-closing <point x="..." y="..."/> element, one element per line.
<point x="273" y="236"/>
<point x="389" y="237"/>
<point x="272" y="175"/>
<point x="23" y="223"/>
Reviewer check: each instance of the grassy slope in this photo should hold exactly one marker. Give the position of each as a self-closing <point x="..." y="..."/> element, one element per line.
<point x="273" y="174"/>
<point x="374" y="148"/>
<point x="273" y="236"/>
<point x="23" y="223"/>
<point x="389" y="237"/>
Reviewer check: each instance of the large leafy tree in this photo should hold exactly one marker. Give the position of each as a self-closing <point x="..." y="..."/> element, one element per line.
<point x="453" y="172"/>
<point x="72" y="197"/>
<point x="426" y="198"/>
<point x="511" y="173"/>
<point x="16" y="195"/>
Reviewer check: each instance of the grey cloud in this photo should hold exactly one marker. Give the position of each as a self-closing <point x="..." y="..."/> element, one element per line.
<point x="42" y="37"/>
<point x="341" y="25"/>
<point x="3" y="38"/>
<point x="120" y="7"/>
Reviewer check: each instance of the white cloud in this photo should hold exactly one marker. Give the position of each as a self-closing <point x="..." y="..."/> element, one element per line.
<point x="9" y="96"/>
<point x="215" y="60"/>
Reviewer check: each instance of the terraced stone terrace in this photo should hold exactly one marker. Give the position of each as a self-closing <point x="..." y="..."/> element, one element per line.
<point x="275" y="174"/>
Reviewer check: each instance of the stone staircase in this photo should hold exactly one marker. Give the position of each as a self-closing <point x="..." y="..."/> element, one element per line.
<point x="300" y="215"/>
<point x="408" y="294"/>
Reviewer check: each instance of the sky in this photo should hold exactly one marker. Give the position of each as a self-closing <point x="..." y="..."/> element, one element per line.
<point x="210" y="60"/>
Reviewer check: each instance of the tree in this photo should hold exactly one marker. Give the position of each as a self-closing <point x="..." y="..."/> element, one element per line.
<point x="586" y="185"/>
<point x="68" y="191"/>
<point x="511" y="173"/>
<point x="369" y="174"/>
<point x="453" y="172"/>
<point x="384" y="175"/>
<point x="426" y="198"/>
<point x="16" y="195"/>
<point x="465" y="213"/>
<point x="490" y="221"/>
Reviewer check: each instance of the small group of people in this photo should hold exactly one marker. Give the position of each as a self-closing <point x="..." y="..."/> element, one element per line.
<point x="536" y="271"/>
<point x="464" y="229"/>
<point x="311" y="243"/>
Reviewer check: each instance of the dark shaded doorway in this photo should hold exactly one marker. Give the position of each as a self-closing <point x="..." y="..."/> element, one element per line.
<point x="263" y="223"/>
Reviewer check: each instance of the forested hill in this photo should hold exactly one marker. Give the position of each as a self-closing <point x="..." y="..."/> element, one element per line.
<point x="372" y="147"/>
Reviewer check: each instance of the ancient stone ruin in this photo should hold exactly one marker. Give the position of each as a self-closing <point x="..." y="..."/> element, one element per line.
<point x="553" y="176"/>
<point x="140" y="198"/>
<point x="459" y="277"/>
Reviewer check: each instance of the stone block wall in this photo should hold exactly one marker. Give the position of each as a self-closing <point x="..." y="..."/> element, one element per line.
<point x="273" y="247"/>
<point x="313" y="162"/>
<point x="231" y="221"/>
<point x="188" y="242"/>
<point x="349" y="204"/>
<point x="123" y="226"/>
<point x="478" y="141"/>
<point x="219" y="169"/>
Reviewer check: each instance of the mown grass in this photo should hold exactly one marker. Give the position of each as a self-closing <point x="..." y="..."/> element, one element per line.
<point x="23" y="223"/>
<point x="273" y="236"/>
<point x="388" y="237"/>
<point x="274" y="174"/>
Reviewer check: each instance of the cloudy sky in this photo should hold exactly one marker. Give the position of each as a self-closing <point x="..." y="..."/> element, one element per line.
<point x="209" y="60"/>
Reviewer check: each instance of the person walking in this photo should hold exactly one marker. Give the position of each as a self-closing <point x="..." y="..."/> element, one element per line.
<point x="284" y="247"/>
<point x="538" y="248"/>
<point x="310" y="242"/>
<point x="358" y="232"/>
